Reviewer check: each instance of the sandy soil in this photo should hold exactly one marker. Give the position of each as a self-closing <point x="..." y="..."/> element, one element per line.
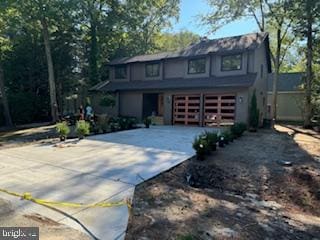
<point x="242" y="191"/>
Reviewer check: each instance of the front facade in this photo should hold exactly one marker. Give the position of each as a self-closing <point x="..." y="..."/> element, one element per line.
<point x="207" y="84"/>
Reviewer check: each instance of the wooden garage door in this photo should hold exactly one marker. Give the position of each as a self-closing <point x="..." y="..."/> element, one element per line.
<point x="186" y="109"/>
<point x="219" y="110"/>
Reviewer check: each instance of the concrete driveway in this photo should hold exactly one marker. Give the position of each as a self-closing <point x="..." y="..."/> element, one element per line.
<point x="100" y="168"/>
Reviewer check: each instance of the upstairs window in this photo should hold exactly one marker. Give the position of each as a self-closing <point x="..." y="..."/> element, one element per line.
<point x="231" y="62"/>
<point x="197" y="66"/>
<point x="152" y="70"/>
<point x="120" y="72"/>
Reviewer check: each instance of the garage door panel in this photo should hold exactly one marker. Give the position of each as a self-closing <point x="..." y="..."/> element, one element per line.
<point x="187" y="109"/>
<point x="219" y="109"/>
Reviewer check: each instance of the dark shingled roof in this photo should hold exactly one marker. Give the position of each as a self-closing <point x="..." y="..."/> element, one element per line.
<point x="287" y="81"/>
<point x="229" y="44"/>
<point x="203" y="83"/>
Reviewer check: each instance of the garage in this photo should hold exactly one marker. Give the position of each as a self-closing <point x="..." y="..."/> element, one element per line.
<point x="186" y="109"/>
<point x="204" y="110"/>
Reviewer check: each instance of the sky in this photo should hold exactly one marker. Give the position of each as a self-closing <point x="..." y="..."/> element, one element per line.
<point x="189" y="9"/>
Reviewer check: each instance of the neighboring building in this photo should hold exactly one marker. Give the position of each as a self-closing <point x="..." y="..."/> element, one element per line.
<point x="208" y="83"/>
<point x="290" y="96"/>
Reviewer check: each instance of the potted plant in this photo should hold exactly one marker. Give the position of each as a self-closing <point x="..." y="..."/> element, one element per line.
<point x="82" y="128"/>
<point x="63" y="130"/>
<point x="147" y="122"/>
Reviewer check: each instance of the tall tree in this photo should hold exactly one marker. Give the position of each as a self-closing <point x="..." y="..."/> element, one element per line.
<point x="307" y="17"/>
<point x="269" y="16"/>
<point x="5" y="45"/>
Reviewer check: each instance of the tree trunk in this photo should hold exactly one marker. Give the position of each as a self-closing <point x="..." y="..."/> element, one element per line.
<point x="6" y="109"/>
<point x="276" y="78"/>
<point x="93" y="61"/>
<point x="52" y="85"/>
<point x="308" y="107"/>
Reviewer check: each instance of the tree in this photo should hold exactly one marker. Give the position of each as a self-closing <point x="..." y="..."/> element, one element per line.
<point x="254" y="113"/>
<point x="272" y="16"/>
<point x="307" y="16"/>
<point x="5" y="14"/>
<point x="175" y="41"/>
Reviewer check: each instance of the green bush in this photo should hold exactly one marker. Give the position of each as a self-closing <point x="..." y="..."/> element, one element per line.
<point x="227" y="136"/>
<point x="254" y="113"/>
<point x="82" y="128"/>
<point x="212" y="139"/>
<point x="201" y="146"/>
<point x="147" y="121"/>
<point x="237" y="129"/>
<point x="63" y="130"/>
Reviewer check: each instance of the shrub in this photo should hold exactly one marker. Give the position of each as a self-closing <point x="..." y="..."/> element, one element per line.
<point x="253" y="113"/>
<point x="227" y="136"/>
<point x="147" y="122"/>
<point x="212" y="139"/>
<point x="63" y="130"/>
<point x="237" y="129"/>
<point x="201" y="146"/>
<point x="82" y="128"/>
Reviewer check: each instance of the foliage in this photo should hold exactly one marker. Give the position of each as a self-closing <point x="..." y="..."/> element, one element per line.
<point x="201" y="146"/>
<point x="254" y="112"/>
<point x="127" y="123"/>
<point x="212" y="139"/>
<point x="227" y="136"/>
<point x="123" y="123"/>
<point x="108" y="101"/>
<point x="238" y="129"/>
<point x="84" y="35"/>
<point x="175" y="41"/>
<point x="82" y="128"/>
<point x="62" y="129"/>
<point x="147" y="121"/>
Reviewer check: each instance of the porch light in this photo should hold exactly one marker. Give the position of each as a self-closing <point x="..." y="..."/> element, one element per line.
<point x="240" y="99"/>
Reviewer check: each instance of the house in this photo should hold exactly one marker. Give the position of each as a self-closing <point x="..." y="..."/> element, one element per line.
<point x="290" y="99"/>
<point x="209" y="83"/>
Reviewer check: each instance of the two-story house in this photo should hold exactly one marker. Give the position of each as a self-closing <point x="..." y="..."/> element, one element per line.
<point x="208" y="83"/>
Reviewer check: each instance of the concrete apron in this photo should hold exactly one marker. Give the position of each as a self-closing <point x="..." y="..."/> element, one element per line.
<point x="100" y="168"/>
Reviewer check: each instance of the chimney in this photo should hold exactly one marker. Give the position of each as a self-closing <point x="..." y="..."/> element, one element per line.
<point x="203" y="39"/>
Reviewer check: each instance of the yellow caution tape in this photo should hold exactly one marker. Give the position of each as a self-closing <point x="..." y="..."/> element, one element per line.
<point x="28" y="196"/>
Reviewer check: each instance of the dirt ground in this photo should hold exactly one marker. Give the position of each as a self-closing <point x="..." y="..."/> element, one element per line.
<point x="243" y="191"/>
<point x="27" y="134"/>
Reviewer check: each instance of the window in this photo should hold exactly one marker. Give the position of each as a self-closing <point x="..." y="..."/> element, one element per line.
<point x="120" y="72"/>
<point x="152" y="69"/>
<point x="197" y="66"/>
<point x="231" y="62"/>
<point x="261" y="70"/>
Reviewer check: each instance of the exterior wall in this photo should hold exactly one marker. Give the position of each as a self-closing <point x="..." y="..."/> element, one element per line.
<point x="216" y="66"/>
<point x="130" y="104"/>
<point x="178" y="68"/>
<point x="174" y="68"/>
<point x="289" y="106"/>
<point x="261" y="83"/>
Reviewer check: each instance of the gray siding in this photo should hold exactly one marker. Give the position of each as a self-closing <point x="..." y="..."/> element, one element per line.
<point x="261" y="83"/>
<point x="131" y="104"/>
